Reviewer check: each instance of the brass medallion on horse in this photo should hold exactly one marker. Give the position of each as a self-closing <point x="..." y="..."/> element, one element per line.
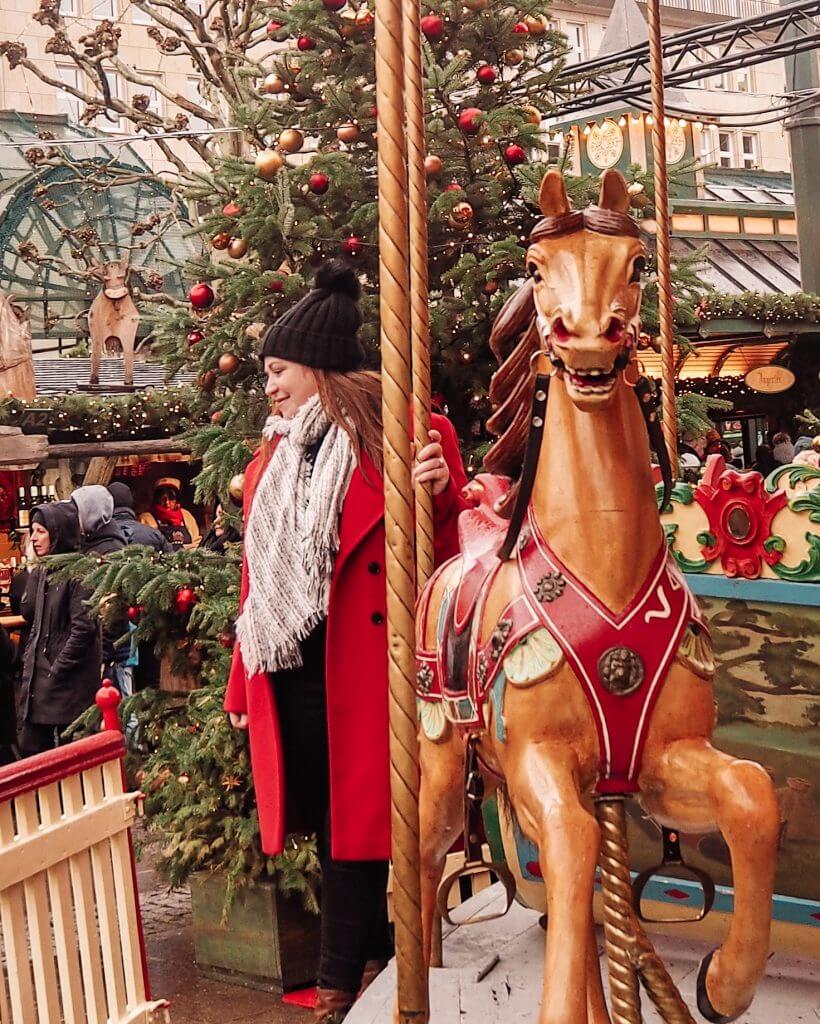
<point x="562" y="651"/>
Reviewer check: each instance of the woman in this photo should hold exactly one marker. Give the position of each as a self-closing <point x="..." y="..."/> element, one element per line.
<point x="167" y="515"/>
<point x="61" y="664"/>
<point x="309" y="675"/>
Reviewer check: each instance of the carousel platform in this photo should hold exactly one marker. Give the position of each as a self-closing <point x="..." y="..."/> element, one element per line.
<point x="493" y="975"/>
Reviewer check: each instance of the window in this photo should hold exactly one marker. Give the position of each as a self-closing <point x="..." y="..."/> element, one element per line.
<point x="744" y="80"/>
<point x="749" y="149"/>
<point x="724" y="149"/>
<point x="717" y="82"/>
<point x="140" y="17"/>
<point x="67" y="103"/>
<point x="155" y="99"/>
<point x="577" y="42"/>
<point x="117" y="87"/>
<point x="195" y="96"/>
<point x="68" y="7"/>
<point x="101" y="9"/>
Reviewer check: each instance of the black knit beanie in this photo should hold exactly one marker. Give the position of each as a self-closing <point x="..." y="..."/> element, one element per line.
<point x="320" y="330"/>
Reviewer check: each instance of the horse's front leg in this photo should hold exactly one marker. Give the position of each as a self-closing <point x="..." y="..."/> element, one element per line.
<point x="691" y="786"/>
<point x="543" y="785"/>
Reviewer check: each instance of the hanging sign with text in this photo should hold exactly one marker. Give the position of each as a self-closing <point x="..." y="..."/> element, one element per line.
<point x="770" y="380"/>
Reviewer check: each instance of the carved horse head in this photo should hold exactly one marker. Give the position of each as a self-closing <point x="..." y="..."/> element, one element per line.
<point x="114" y="277"/>
<point x="579" y="308"/>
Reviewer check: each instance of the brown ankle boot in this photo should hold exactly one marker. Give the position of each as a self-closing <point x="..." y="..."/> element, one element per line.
<point x="372" y="969"/>
<point x="332" y="1005"/>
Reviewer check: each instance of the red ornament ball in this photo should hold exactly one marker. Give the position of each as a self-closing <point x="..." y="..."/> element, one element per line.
<point x="333" y="5"/>
<point x="486" y="74"/>
<point x="520" y="29"/>
<point x="453" y="187"/>
<point x="468" y="120"/>
<point x="227" y="638"/>
<point x="135" y="614"/>
<point x="319" y="183"/>
<point x="216" y="417"/>
<point x="184" y="600"/>
<point x="514" y="155"/>
<point x="201" y="295"/>
<point x="276" y="284"/>
<point x="231" y="210"/>
<point x="433" y="27"/>
<point x="274" y="27"/>
<point x="305" y="43"/>
<point x="194" y="337"/>
<point x="352" y="246"/>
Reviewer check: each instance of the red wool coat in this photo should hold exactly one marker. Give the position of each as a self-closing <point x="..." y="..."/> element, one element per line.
<point x="356" y="670"/>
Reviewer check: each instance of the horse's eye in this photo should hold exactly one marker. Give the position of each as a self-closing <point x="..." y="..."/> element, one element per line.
<point x="532" y="270"/>
<point x="638" y="268"/>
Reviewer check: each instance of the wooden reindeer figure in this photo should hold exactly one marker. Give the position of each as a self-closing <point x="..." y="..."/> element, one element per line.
<point x="16" y="360"/>
<point x="561" y="654"/>
<point x="112" y="319"/>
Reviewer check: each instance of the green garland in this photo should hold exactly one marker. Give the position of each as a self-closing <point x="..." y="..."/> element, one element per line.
<point x="166" y="412"/>
<point x="767" y="308"/>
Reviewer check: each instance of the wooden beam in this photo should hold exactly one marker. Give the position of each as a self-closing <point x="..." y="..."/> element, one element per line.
<point x="112" y="449"/>
<point x="100" y="470"/>
<point x="21" y="451"/>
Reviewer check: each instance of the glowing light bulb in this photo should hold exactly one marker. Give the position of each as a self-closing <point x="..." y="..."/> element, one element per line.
<point x="622" y="122"/>
<point x="587" y="129"/>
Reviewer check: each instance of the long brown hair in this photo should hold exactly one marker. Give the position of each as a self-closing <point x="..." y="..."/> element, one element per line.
<point x="353" y="401"/>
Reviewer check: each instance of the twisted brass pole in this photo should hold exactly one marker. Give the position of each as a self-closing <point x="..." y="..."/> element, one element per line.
<point x="670" y="425"/>
<point x="394" y="311"/>
<point x="419" y="286"/>
<point x="616" y="886"/>
<point x="657" y="981"/>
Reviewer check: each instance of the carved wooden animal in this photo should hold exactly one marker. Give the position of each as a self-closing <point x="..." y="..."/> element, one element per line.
<point x="16" y="360"/>
<point x="112" y="319"/>
<point x="581" y="663"/>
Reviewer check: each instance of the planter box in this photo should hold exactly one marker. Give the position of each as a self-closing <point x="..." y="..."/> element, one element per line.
<point x="269" y="941"/>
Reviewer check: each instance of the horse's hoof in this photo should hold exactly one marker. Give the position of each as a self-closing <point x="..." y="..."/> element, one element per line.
<point x="705" y="1007"/>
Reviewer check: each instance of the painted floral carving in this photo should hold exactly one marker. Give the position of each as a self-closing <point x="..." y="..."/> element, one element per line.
<point x="740" y="513"/>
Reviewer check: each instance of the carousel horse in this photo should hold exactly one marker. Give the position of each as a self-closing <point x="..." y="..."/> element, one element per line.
<point x="561" y="655"/>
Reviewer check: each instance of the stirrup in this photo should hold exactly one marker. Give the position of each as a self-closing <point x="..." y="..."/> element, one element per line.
<point x="673" y="858"/>
<point x="474" y="862"/>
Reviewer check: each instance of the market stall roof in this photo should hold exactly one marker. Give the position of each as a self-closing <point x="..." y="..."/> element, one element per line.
<point x="63" y="376"/>
<point x="718" y="358"/>
<point x="72" y="202"/>
<point x="745" y="264"/>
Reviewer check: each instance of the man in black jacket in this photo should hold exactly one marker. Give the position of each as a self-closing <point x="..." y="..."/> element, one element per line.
<point x="61" y="665"/>
<point x="133" y="530"/>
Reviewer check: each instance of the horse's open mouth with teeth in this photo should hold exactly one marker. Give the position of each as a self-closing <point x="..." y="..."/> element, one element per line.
<point x="591" y="382"/>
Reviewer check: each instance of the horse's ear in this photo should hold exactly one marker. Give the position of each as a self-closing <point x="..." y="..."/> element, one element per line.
<point x="552" y="196"/>
<point x="614" y="195"/>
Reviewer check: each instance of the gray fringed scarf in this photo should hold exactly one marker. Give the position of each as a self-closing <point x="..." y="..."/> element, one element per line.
<point x="292" y="538"/>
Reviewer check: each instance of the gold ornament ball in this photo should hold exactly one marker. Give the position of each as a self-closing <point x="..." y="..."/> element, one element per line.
<point x="533" y="114"/>
<point x="272" y="84"/>
<point x="432" y="165"/>
<point x="221" y="241"/>
<point x="639" y="200"/>
<point x="237" y="248"/>
<point x="491" y="287"/>
<point x="815" y="444"/>
<point x="476" y="6"/>
<point x="461" y="214"/>
<point x="512" y="58"/>
<point x="348" y="133"/>
<point x="268" y="163"/>
<point x="537" y="25"/>
<point x="236" y="488"/>
<point x="291" y="140"/>
<point x="228" y="363"/>
<point x="364" y="18"/>
<point x="347" y="31"/>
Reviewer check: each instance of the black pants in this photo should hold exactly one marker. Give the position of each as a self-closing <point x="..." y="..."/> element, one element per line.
<point x="354" y="893"/>
<point x="35" y="739"/>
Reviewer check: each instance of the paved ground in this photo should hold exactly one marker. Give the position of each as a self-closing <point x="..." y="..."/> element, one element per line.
<point x="196" y="1000"/>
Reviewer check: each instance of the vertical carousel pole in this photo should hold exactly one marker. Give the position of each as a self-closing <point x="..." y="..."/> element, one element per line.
<point x="670" y="426"/>
<point x="394" y="308"/>
<point x="419" y="285"/>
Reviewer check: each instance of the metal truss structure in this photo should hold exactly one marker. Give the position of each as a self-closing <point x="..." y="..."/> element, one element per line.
<point x="690" y="56"/>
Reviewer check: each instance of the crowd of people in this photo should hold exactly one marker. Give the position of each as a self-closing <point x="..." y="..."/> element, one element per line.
<point x="50" y="676"/>
<point x="777" y="450"/>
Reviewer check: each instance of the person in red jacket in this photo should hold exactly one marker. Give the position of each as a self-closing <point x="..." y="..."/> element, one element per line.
<point x="309" y="673"/>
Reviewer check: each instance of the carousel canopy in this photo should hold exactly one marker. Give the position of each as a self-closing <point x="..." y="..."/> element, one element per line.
<point x="63" y="213"/>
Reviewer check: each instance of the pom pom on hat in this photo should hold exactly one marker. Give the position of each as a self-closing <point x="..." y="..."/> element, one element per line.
<point x="320" y="330"/>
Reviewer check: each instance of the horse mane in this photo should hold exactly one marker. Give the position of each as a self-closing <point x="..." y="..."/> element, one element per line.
<point x="513" y="340"/>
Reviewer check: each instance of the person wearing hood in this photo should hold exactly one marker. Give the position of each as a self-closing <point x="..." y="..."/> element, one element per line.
<point x="95" y="509"/>
<point x="61" y="663"/>
<point x="167" y="515"/>
<point x="133" y="530"/>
